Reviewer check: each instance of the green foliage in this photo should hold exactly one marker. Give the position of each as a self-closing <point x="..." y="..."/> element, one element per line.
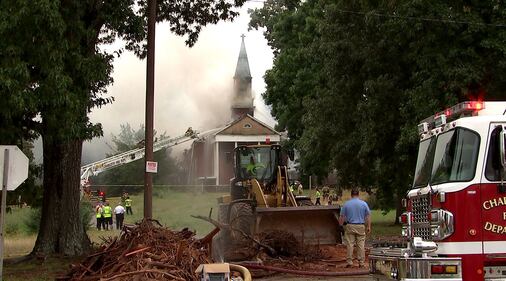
<point x="11" y="228"/>
<point x="52" y="73"/>
<point x="86" y="214"/>
<point x="372" y="202"/>
<point x="32" y="221"/>
<point x="351" y="79"/>
<point x="133" y="173"/>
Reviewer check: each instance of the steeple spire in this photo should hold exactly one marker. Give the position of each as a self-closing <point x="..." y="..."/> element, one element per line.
<point x="242" y="69"/>
<point x="242" y="102"/>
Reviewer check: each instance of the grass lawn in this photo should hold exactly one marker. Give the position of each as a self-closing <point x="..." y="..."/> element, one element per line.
<point x="383" y="224"/>
<point x="174" y="209"/>
<point x="170" y="208"/>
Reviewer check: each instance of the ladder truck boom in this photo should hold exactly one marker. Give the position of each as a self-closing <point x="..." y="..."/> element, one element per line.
<point x="117" y="160"/>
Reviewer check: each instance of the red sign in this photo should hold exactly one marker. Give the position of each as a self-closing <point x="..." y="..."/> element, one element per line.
<point x="151" y="167"/>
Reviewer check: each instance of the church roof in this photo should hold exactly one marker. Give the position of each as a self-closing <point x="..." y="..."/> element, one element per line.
<point x="237" y="127"/>
<point x="242" y="69"/>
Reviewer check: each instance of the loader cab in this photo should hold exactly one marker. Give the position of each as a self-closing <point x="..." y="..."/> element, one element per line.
<point x="259" y="162"/>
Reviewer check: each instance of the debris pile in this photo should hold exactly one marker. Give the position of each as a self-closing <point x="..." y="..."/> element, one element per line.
<point x="145" y="251"/>
<point x="283" y="242"/>
<point x="314" y="260"/>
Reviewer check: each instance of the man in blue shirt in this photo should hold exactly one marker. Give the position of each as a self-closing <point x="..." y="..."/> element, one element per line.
<point x="356" y="219"/>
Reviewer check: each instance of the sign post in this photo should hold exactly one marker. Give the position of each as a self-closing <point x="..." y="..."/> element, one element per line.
<point x="13" y="172"/>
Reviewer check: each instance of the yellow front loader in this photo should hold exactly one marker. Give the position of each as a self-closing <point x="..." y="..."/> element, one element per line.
<point x="261" y="201"/>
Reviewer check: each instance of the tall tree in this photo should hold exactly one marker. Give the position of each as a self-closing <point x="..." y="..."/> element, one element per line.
<point x="376" y="69"/>
<point x="52" y="73"/>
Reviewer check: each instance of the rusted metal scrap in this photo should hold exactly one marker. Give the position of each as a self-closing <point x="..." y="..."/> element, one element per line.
<point x="144" y="252"/>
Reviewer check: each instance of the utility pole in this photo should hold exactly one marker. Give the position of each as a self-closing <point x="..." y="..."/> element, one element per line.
<point x="150" y="94"/>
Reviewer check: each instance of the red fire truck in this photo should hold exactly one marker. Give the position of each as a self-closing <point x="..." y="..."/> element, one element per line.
<point x="455" y="219"/>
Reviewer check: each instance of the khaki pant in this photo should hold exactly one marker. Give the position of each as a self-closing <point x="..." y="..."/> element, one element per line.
<point x="354" y="234"/>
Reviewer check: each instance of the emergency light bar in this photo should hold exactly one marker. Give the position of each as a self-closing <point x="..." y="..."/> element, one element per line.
<point x="423" y="127"/>
<point x="463" y="109"/>
<point x="440" y="120"/>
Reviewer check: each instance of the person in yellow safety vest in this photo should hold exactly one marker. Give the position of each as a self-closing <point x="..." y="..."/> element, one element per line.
<point x="291" y="188"/>
<point x="128" y="205"/>
<point x="99" y="211"/>
<point x="318" y="195"/>
<point x="107" y="216"/>
<point x="299" y="187"/>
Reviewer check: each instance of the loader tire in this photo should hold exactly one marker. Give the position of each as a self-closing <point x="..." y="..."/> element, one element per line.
<point x="229" y="245"/>
<point x="223" y="213"/>
<point x="241" y="222"/>
<point x="220" y="244"/>
<point x="242" y="219"/>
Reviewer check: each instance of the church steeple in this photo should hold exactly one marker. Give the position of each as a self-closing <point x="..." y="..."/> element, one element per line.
<point x="242" y="69"/>
<point x="242" y="102"/>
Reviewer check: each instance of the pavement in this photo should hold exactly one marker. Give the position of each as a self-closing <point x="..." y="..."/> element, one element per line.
<point x="283" y="277"/>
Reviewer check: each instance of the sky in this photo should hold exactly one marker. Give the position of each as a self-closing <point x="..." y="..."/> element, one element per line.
<point x="193" y="86"/>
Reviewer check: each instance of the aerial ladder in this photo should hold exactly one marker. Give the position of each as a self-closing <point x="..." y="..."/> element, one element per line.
<point x="117" y="160"/>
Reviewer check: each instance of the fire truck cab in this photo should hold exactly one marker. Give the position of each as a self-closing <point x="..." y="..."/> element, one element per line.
<point x="455" y="219"/>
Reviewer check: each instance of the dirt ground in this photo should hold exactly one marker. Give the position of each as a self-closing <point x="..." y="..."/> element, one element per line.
<point x="331" y="259"/>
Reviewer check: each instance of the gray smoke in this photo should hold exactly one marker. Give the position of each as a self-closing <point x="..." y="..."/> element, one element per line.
<point x="193" y="87"/>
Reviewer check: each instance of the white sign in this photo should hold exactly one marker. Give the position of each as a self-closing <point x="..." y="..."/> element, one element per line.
<point x="151" y="167"/>
<point x="17" y="166"/>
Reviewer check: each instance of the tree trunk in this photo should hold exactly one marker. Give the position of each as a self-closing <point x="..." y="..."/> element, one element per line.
<point x="61" y="230"/>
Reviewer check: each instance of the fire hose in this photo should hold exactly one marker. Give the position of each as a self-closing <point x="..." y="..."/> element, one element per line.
<point x="303" y="272"/>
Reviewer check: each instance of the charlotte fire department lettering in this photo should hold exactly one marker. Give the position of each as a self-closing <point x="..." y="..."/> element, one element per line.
<point x="492" y="203"/>
<point x="499" y="229"/>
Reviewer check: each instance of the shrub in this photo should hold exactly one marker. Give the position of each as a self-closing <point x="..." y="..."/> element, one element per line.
<point x="86" y="214"/>
<point x="12" y="228"/>
<point x="33" y="220"/>
<point x="372" y="201"/>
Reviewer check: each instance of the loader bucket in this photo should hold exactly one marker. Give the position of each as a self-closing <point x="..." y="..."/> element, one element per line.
<point x="311" y="225"/>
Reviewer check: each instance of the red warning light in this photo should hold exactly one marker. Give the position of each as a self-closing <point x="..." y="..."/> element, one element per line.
<point x="437" y="269"/>
<point x="476" y="105"/>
